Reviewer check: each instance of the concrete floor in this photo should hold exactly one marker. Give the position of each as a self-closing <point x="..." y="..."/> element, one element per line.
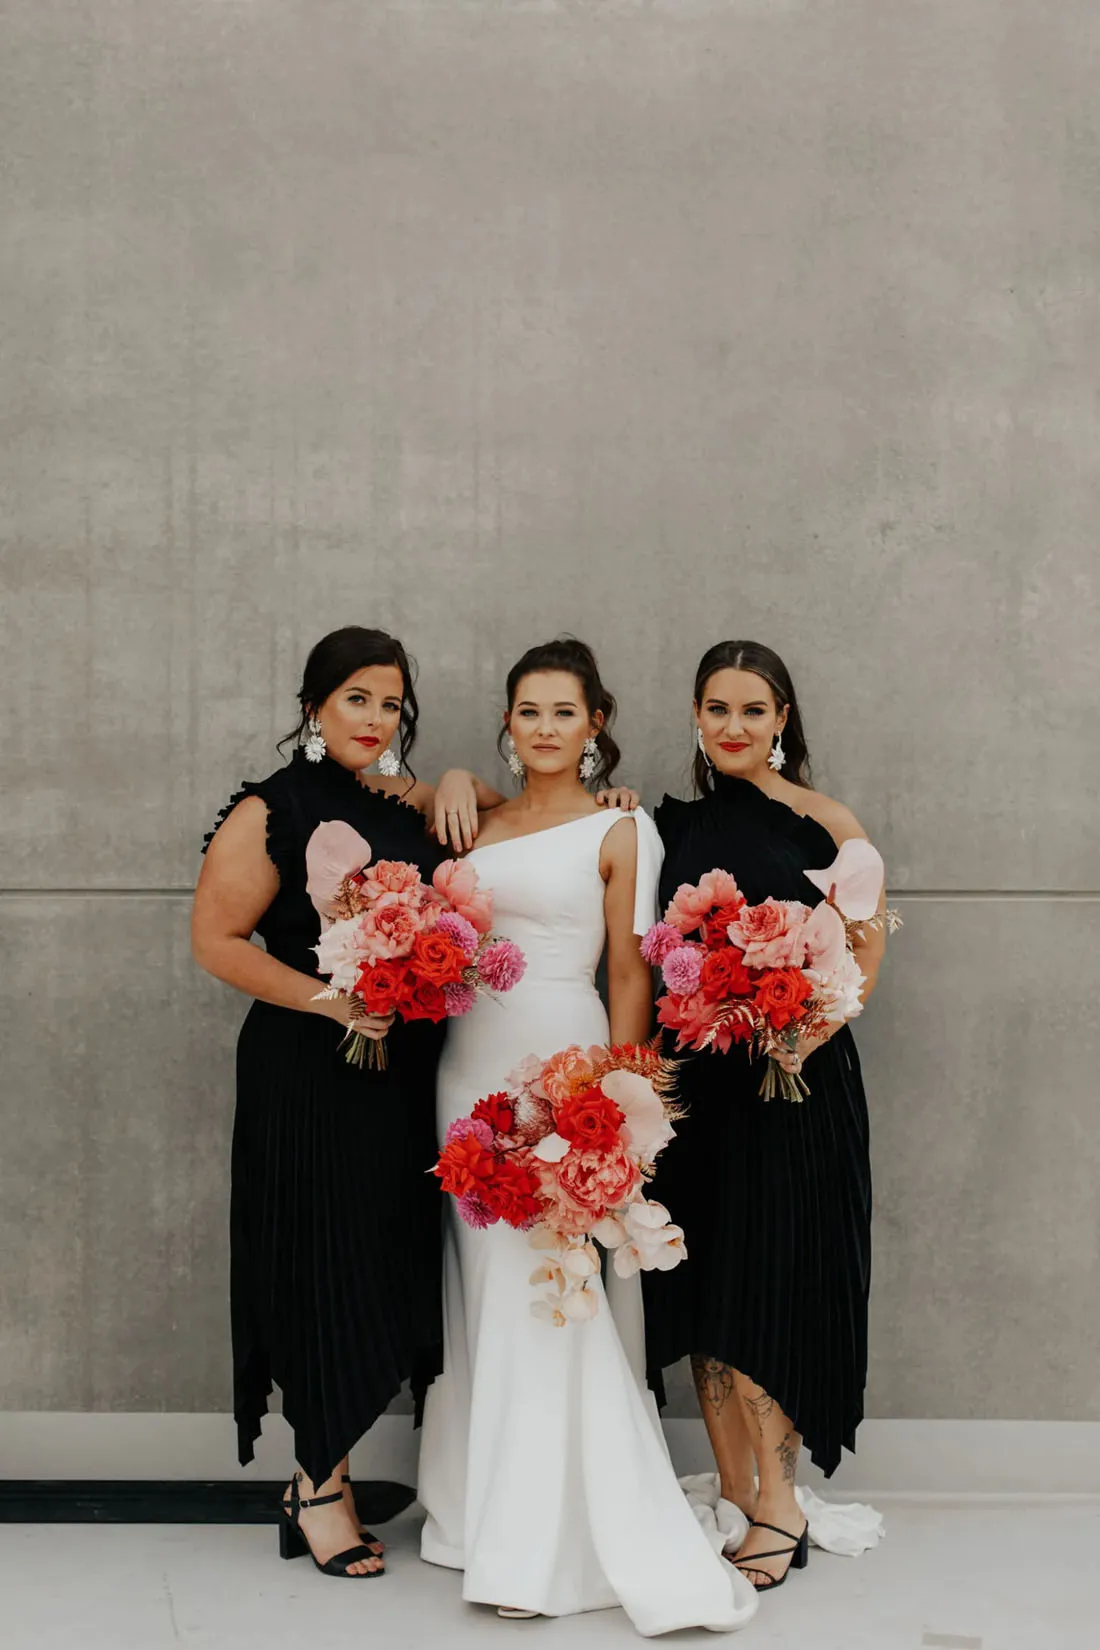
<point x="950" y="1576"/>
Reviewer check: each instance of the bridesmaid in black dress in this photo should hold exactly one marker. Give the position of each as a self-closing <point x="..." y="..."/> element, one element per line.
<point x="774" y="1197"/>
<point x="335" y="1222"/>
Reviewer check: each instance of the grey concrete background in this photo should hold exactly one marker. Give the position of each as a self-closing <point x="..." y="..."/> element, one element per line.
<point x="657" y="322"/>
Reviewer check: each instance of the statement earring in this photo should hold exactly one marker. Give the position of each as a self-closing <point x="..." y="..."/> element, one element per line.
<point x="514" y="760"/>
<point x="777" y="759"/>
<point x="389" y="764"/>
<point x="703" y="749"/>
<point x="316" y="750"/>
<point x="590" y="759"/>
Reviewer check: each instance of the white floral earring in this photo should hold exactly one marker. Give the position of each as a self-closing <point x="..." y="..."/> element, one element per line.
<point x="389" y="764"/>
<point x="316" y="750"/>
<point x="590" y="759"/>
<point x="778" y="758"/>
<point x="514" y="760"/>
<point x="703" y="749"/>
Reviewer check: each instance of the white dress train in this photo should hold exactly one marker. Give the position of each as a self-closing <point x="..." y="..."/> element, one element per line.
<point x="543" y="1468"/>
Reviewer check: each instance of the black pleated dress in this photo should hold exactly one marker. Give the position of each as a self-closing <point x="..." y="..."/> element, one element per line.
<point x="774" y="1197"/>
<point x="334" y="1222"/>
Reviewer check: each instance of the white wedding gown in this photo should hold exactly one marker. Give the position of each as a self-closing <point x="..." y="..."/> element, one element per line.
<point x="543" y="1468"/>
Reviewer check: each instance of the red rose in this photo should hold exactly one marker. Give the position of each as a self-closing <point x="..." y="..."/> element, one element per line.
<point x="424" y="1001"/>
<point x="716" y="927"/>
<point x="380" y="986"/>
<point x="781" y="996"/>
<point x="724" y="975"/>
<point x="465" y="1165"/>
<point x="438" y="959"/>
<point x="498" y="1111"/>
<point x="589" y="1121"/>
<point x="512" y="1193"/>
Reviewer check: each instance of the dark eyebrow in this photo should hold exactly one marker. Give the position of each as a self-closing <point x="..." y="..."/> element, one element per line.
<point x="559" y="704"/>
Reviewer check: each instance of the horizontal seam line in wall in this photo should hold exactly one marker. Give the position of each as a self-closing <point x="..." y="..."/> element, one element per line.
<point x="893" y="894"/>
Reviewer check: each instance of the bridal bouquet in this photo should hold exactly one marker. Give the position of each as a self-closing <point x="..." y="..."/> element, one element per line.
<point x="563" y="1153"/>
<point x="766" y="974"/>
<point x="397" y="944"/>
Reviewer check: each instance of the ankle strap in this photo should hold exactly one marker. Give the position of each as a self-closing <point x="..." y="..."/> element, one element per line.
<point x="314" y="1501"/>
<point x="759" y="1524"/>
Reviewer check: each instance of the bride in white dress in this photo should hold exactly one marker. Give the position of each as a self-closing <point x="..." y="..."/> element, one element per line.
<point x="543" y="1469"/>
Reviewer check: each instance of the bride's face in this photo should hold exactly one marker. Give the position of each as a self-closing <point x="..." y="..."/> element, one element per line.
<point x="550" y="721"/>
<point x="739" y="720"/>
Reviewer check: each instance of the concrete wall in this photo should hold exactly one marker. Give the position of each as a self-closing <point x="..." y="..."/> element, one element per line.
<point x="659" y="322"/>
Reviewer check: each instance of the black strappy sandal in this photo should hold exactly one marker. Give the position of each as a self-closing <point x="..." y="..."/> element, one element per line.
<point x="799" y="1556"/>
<point x="293" y="1542"/>
<point x="368" y="1535"/>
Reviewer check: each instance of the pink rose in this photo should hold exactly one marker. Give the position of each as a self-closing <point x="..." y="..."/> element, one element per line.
<point x="455" y="881"/>
<point x="391" y="927"/>
<point x="391" y="876"/>
<point x="690" y="905"/>
<point x="559" y="1211"/>
<point x="599" y="1180"/>
<point x="771" y="935"/>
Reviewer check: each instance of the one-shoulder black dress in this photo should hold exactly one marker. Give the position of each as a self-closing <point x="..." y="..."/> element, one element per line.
<point x="774" y="1196"/>
<point x="335" y="1253"/>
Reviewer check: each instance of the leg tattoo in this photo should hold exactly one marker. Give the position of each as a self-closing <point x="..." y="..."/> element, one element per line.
<point x="713" y="1380"/>
<point x="761" y="1409"/>
<point x="787" y="1452"/>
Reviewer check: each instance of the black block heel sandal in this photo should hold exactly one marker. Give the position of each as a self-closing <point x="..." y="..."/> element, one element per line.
<point x="799" y="1556"/>
<point x="294" y="1544"/>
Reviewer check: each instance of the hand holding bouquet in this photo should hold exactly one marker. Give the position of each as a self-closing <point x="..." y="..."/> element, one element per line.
<point x="398" y="945"/>
<point x="766" y="974"/>
<point x="563" y="1153"/>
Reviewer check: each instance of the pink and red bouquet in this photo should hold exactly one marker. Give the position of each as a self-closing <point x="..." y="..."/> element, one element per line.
<point x="563" y="1153"/>
<point x="399" y="945"/>
<point x="765" y="974"/>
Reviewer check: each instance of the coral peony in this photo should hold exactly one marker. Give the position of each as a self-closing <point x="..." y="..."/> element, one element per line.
<point x="691" y="904"/>
<point x="502" y="965"/>
<point x="455" y="881"/>
<point x="391" y="876"/>
<point x="568" y="1072"/>
<point x="681" y="970"/>
<point x="771" y="934"/>
<point x="390" y="928"/>
<point x="599" y="1180"/>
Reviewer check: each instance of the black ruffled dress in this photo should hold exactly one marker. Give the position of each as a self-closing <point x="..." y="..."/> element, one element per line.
<point x="774" y="1197"/>
<point x="335" y="1222"/>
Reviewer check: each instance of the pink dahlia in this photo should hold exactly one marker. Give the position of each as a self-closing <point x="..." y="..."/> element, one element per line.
<point x="661" y="939"/>
<point x="459" y="998"/>
<point x="502" y="965"/>
<point x="463" y="1127"/>
<point x="458" y="929"/>
<point x="474" y="1212"/>
<point x="681" y="969"/>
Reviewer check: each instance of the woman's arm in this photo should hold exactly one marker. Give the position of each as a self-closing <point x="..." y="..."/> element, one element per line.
<point x="237" y="884"/>
<point x="629" y="981"/>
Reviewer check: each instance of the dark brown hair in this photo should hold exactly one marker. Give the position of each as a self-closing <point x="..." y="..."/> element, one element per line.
<point x="568" y="654"/>
<point x="761" y="661"/>
<point x="343" y="653"/>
